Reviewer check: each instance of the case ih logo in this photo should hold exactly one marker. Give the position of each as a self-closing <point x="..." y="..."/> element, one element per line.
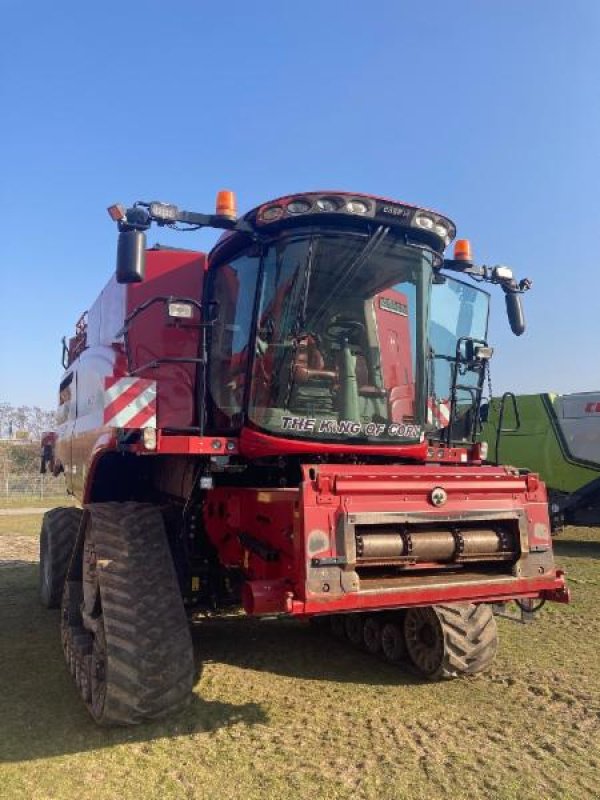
<point x="387" y="304"/>
<point x="130" y="403"/>
<point x="592" y="408"/>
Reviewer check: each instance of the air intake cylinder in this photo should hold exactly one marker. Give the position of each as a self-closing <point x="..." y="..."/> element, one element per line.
<point x="376" y="545"/>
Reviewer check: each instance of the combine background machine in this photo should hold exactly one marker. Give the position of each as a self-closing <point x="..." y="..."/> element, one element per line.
<point x="286" y="425"/>
<point x="557" y="436"/>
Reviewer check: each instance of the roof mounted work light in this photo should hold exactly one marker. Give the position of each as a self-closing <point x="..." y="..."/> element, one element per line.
<point x="163" y="212"/>
<point x="439" y="229"/>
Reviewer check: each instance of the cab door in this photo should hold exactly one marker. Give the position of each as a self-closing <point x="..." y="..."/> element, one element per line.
<point x="65" y="419"/>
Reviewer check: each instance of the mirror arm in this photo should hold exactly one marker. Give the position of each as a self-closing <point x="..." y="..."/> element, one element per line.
<point x="140" y="217"/>
<point x="503" y="277"/>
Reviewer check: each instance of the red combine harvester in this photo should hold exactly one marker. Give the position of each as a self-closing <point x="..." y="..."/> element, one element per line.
<point x="288" y="425"/>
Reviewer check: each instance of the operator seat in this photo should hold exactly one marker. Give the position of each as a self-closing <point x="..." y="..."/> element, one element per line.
<point x="309" y="364"/>
<point x="311" y="388"/>
<point x="365" y="388"/>
<point x="358" y="348"/>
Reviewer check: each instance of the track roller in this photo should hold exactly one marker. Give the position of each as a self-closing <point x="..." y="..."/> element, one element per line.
<point x="372" y="635"/>
<point x="392" y="640"/>
<point x="355" y="624"/>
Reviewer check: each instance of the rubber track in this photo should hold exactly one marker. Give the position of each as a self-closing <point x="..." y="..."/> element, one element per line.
<point x="57" y="537"/>
<point x="470" y="638"/>
<point x="149" y="656"/>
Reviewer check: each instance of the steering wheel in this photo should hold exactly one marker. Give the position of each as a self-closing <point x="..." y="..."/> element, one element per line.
<point x="341" y="329"/>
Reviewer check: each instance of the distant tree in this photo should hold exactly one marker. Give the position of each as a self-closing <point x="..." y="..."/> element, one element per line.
<point x="5" y="415"/>
<point x="24" y="458"/>
<point x="25" y="422"/>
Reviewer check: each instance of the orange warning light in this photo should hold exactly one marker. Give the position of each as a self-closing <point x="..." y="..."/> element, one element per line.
<point x="462" y="250"/>
<point x="226" y="204"/>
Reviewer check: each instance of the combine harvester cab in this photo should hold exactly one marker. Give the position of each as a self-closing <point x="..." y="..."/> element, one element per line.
<point x="557" y="436"/>
<point x="287" y="425"/>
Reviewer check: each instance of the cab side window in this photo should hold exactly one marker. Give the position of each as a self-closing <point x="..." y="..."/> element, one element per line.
<point x="66" y="399"/>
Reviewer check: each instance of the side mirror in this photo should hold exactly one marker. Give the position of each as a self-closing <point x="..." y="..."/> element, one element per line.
<point x="131" y="256"/>
<point x="514" y="311"/>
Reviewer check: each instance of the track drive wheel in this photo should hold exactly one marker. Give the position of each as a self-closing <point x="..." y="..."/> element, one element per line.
<point x="57" y="538"/>
<point x="393" y="645"/>
<point x="446" y="641"/>
<point x="124" y="628"/>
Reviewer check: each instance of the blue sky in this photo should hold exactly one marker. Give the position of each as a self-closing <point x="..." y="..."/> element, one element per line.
<point x="486" y="111"/>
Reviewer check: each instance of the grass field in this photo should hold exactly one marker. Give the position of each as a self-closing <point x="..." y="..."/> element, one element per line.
<point x="34" y="501"/>
<point x="282" y="712"/>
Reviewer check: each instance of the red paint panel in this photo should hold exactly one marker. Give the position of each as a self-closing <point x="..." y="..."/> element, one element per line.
<point x="289" y="527"/>
<point x="152" y="335"/>
<point x="485" y="592"/>
<point x="391" y="311"/>
<point x="267" y="517"/>
<point x="196" y="445"/>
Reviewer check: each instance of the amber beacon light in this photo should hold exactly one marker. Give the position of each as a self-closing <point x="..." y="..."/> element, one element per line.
<point x="462" y="251"/>
<point x="226" y="204"/>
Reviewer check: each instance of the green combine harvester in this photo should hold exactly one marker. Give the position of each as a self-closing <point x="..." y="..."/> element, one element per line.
<point x="557" y="436"/>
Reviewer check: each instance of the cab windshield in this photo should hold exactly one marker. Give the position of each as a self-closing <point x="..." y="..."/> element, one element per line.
<point x="339" y="348"/>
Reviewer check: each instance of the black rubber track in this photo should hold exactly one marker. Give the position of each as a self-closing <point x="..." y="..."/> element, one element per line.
<point x="57" y="537"/>
<point x="465" y="640"/>
<point x="149" y="664"/>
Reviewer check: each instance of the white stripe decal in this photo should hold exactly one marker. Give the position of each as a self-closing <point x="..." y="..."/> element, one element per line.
<point x="117" y="389"/>
<point x="438" y="413"/>
<point x="145" y="399"/>
<point x="139" y="403"/>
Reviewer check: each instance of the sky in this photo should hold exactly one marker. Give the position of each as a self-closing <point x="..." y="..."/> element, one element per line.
<point x="487" y="111"/>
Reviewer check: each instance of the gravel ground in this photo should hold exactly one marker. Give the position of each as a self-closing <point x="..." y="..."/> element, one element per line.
<point x="18" y="550"/>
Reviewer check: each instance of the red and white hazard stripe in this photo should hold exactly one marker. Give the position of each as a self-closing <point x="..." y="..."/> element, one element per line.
<point x="130" y="403"/>
<point x="438" y="412"/>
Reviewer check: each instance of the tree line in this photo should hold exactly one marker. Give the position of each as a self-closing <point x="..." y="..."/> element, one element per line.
<point x="24" y="423"/>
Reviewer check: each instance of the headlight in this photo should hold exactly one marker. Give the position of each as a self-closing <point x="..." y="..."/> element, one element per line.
<point x="327" y="204"/>
<point x="357" y="207"/>
<point x="164" y="212"/>
<point x="181" y="310"/>
<point x="271" y="213"/>
<point x="503" y="273"/>
<point x="298" y="207"/>
<point x="149" y="438"/>
<point x="424" y="221"/>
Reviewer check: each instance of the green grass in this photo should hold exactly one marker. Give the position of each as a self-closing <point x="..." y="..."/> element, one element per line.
<point x="35" y="501"/>
<point x="282" y="712"/>
<point x="23" y="524"/>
